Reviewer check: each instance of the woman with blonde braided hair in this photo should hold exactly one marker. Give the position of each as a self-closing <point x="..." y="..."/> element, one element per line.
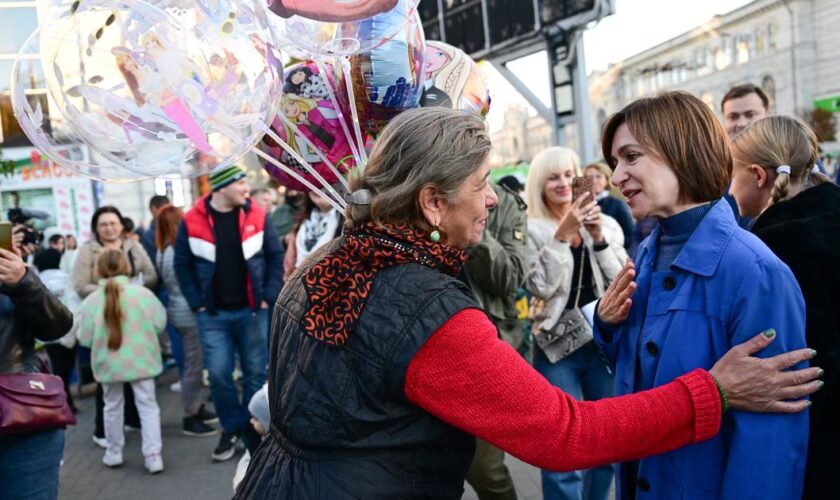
<point x="798" y="209"/>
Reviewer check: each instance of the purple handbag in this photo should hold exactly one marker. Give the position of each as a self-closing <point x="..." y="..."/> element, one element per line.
<point x="31" y="402"/>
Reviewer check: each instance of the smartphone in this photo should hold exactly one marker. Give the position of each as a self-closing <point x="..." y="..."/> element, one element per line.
<point x="582" y="185"/>
<point x="6" y="235"/>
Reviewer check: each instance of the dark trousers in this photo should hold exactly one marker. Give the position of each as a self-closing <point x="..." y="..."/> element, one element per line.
<point x="63" y="360"/>
<point x="488" y="474"/>
<point x="131" y="418"/>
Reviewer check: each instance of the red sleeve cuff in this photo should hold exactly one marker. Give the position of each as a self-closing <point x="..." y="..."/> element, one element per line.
<point x="707" y="405"/>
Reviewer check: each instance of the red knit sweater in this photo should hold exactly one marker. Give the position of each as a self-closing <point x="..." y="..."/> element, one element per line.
<point x="467" y="377"/>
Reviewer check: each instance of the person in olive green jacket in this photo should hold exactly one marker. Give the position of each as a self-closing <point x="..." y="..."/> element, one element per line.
<point x="496" y="271"/>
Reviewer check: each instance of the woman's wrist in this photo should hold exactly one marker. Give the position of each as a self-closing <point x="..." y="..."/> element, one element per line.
<point x="724" y="403"/>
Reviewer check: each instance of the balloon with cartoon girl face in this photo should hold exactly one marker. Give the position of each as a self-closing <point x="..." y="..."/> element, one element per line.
<point x="308" y="122"/>
<point x="388" y="79"/>
<point x="335" y="27"/>
<point x="176" y="86"/>
<point x="453" y="80"/>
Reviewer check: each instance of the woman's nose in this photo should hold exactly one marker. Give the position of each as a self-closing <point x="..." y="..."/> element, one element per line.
<point x="492" y="199"/>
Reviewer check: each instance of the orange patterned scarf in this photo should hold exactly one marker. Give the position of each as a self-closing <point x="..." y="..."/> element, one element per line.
<point x="338" y="285"/>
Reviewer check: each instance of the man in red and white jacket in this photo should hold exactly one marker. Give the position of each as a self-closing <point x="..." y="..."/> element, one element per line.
<point x="229" y="264"/>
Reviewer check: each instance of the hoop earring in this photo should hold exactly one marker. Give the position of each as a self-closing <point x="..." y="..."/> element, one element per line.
<point x="435" y="235"/>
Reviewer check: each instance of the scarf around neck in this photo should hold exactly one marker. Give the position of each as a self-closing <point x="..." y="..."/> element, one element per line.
<point x="338" y="286"/>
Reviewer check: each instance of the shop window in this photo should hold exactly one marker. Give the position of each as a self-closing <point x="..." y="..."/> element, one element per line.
<point x="12" y="135"/>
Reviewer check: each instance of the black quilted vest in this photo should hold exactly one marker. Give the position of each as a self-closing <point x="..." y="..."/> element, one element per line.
<point x="341" y="425"/>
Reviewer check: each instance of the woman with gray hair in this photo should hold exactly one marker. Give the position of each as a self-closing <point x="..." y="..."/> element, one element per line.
<point x="383" y="368"/>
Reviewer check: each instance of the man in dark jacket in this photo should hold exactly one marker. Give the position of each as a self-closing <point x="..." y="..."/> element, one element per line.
<point x="229" y="264"/>
<point x="495" y="271"/>
<point x="156" y="204"/>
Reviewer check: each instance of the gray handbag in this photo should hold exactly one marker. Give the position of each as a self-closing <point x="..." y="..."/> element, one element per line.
<point x="571" y="332"/>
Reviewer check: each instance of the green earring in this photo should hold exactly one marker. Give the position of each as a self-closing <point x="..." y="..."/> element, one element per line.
<point x="435" y="236"/>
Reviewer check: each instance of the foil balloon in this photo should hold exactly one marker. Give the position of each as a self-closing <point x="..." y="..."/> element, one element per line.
<point x="181" y="89"/>
<point x="308" y="122"/>
<point x="336" y="11"/>
<point x="388" y="79"/>
<point x="331" y="34"/>
<point x="51" y="134"/>
<point x="453" y="80"/>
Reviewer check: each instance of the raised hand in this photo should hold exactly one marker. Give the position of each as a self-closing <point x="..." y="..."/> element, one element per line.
<point x="614" y="306"/>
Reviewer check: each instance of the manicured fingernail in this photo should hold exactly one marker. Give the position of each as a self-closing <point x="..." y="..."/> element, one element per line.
<point x="821" y="372"/>
<point x="820" y="384"/>
<point x="769" y="332"/>
<point x="808" y="404"/>
<point x="813" y="354"/>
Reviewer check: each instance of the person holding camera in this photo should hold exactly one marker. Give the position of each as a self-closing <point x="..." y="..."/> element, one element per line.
<point x="30" y="450"/>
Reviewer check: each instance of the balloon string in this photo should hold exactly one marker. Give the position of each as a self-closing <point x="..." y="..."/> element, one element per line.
<point x="345" y="66"/>
<point x="291" y="172"/>
<point x="317" y="150"/>
<point x="294" y="154"/>
<point x="341" y="118"/>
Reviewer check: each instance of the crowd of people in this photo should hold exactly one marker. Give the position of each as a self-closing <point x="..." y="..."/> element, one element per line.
<point x="671" y="311"/>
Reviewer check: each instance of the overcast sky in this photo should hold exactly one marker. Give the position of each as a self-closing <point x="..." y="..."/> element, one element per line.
<point x="636" y="26"/>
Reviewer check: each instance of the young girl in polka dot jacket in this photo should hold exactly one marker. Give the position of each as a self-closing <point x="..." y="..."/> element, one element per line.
<point x="120" y="323"/>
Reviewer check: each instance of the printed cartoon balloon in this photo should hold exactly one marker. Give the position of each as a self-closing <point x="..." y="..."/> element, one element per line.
<point x="309" y="123"/>
<point x="388" y="79"/>
<point x="177" y="91"/>
<point x="50" y="133"/>
<point x="328" y="28"/>
<point x="453" y="80"/>
<point x="336" y="11"/>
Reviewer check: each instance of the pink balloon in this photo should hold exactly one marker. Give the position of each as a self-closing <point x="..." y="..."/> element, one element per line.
<point x="333" y="11"/>
<point x="307" y="119"/>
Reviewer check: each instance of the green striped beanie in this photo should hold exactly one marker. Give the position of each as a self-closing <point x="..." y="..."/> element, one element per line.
<point x="225" y="177"/>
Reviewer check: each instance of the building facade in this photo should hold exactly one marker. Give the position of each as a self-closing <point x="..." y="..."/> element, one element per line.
<point x="788" y="47"/>
<point x="791" y="48"/>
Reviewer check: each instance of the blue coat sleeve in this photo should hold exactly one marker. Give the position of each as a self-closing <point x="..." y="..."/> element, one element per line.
<point x="273" y="251"/>
<point x="767" y="451"/>
<point x="185" y="270"/>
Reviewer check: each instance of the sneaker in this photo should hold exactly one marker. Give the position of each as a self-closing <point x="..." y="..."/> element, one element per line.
<point x="100" y="442"/>
<point x="207" y="416"/>
<point x="226" y="448"/>
<point x="112" y="459"/>
<point x="154" y="464"/>
<point x="193" y="426"/>
<point x="175" y="387"/>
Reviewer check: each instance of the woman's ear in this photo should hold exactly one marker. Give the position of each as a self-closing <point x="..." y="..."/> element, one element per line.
<point x="759" y="175"/>
<point x="431" y="204"/>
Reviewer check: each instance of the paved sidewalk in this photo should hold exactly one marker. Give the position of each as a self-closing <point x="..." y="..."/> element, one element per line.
<point x="189" y="473"/>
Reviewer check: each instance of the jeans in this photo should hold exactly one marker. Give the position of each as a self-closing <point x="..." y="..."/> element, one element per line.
<point x="193" y="363"/>
<point x="29" y="465"/>
<point x="147" y="407"/>
<point x="582" y="375"/>
<point x="245" y="332"/>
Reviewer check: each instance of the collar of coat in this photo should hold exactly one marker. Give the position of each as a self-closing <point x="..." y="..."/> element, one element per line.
<point x="702" y="252"/>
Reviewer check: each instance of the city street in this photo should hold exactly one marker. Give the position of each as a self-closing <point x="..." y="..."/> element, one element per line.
<point x="189" y="474"/>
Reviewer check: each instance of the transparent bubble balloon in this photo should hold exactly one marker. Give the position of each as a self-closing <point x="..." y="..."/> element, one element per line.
<point x="338" y="27"/>
<point x="46" y="127"/>
<point x="167" y="87"/>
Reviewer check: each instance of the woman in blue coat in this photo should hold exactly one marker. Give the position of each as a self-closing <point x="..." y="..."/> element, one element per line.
<point x="702" y="286"/>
